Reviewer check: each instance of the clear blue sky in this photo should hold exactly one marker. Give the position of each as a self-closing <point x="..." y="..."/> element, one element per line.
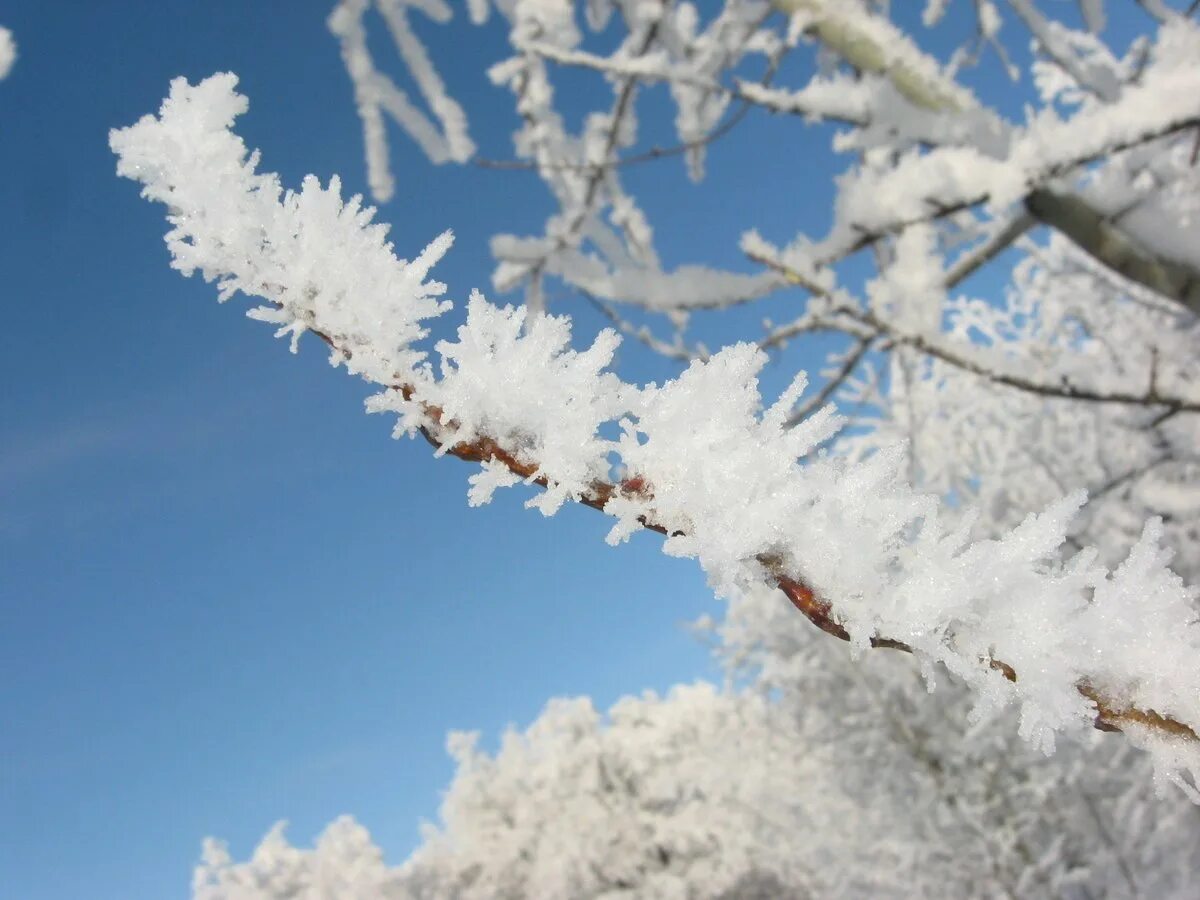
<point x="227" y="596"/>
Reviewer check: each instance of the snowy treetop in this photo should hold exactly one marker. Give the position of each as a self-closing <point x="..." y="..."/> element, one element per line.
<point x="631" y="794"/>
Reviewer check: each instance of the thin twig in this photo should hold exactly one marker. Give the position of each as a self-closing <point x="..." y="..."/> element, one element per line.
<point x="677" y="351"/>
<point x="818" y="400"/>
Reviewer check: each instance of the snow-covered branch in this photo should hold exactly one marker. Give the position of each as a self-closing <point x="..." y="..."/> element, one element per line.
<point x="445" y="140"/>
<point x="993" y="153"/>
<point x="871" y="43"/>
<point x="1070" y="643"/>
<point x="842" y="314"/>
<point x="8" y="52"/>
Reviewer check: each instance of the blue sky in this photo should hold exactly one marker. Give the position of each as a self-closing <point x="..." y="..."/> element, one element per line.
<point x="227" y="596"/>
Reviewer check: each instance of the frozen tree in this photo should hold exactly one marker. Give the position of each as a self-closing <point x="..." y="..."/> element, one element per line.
<point x="717" y="794"/>
<point x="688" y="795"/>
<point x="343" y="863"/>
<point x="700" y="794"/>
<point x="576" y="806"/>
<point x="691" y="795"/>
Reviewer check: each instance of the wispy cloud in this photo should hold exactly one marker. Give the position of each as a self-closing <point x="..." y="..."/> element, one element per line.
<point x="28" y="456"/>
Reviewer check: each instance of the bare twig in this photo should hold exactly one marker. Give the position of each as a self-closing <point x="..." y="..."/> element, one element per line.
<point x="818" y="400"/>
<point x="996" y="244"/>
<point x="678" y="350"/>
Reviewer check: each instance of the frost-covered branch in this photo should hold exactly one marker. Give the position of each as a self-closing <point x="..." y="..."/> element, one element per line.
<point x="852" y="544"/>
<point x="841" y="314"/>
<point x="376" y="94"/>
<point x="8" y="52"/>
<point x="1090" y="70"/>
<point x="1095" y="232"/>
<point x="871" y="44"/>
<point x="579" y="191"/>
<point x="923" y="188"/>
